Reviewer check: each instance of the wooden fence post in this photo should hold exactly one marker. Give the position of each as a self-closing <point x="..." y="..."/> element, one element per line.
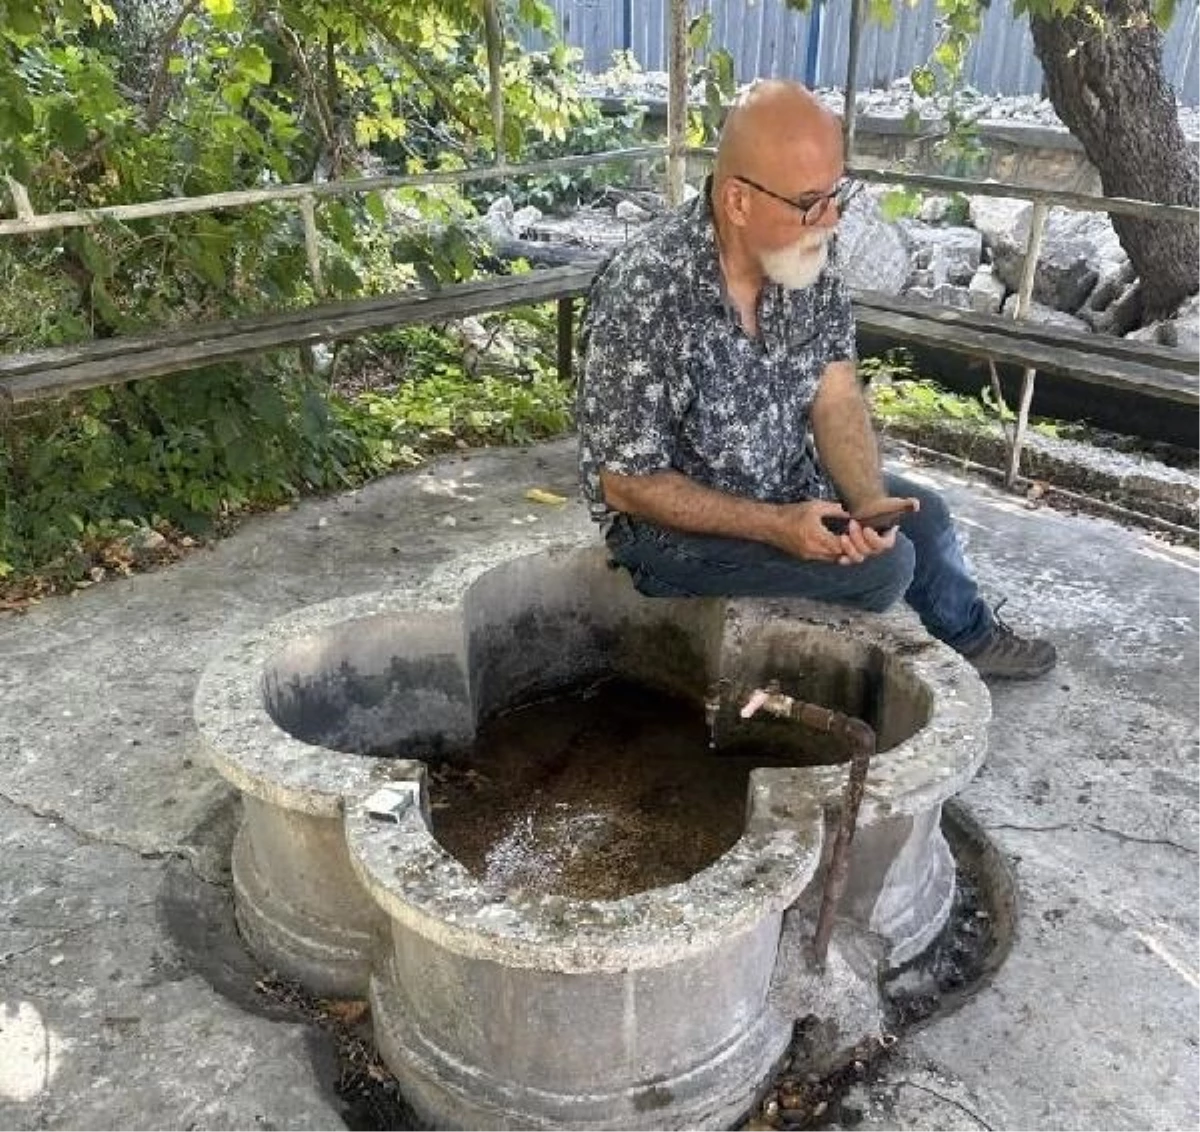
<point x="1033" y="250"/>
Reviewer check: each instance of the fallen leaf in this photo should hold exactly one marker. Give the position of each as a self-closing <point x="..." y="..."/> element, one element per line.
<point x="348" y="1011"/>
<point x="538" y="495"/>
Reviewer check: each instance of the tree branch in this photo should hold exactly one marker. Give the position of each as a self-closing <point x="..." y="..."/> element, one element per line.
<point x="323" y="114"/>
<point x="158" y="89"/>
<point x="494" y="34"/>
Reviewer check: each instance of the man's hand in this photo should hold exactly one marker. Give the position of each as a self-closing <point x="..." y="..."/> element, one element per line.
<point x="801" y="530"/>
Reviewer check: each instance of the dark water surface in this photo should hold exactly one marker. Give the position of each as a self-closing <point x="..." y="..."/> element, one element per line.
<point x="594" y="795"/>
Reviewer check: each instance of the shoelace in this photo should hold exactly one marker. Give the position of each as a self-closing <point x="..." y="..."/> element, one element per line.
<point x="1002" y="626"/>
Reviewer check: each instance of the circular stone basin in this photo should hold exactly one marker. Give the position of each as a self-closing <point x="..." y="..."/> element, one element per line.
<point x="653" y="1001"/>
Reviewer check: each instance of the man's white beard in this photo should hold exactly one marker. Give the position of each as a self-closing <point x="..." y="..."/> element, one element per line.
<point x="798" y="265"/>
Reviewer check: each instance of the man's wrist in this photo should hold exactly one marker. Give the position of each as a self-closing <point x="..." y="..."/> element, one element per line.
<point x="773" y="524"/>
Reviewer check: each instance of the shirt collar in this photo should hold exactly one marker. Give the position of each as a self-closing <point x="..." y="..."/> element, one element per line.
<point x="702" y="236"/>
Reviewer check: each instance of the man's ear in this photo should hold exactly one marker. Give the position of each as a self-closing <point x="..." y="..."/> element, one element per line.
<point x="735" y="200"/>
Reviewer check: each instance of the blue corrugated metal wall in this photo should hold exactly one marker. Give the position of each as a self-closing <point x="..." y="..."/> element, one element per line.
<point x="766" y="38"/>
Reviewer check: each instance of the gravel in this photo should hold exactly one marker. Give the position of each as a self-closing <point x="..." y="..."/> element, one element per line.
<point x="896" y="101"/>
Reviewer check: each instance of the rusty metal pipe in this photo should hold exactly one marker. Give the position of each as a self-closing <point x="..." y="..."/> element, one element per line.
<point x="861" y="739"/>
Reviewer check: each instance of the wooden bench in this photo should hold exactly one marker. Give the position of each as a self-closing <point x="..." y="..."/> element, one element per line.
<point x="43" y="374"/>
<point x="1095" y="359"/>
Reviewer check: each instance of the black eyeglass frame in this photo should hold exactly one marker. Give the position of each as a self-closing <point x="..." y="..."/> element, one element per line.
<point x="812" y="206"/>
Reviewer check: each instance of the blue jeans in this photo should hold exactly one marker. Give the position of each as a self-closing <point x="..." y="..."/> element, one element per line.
<point x="926" y="567"/>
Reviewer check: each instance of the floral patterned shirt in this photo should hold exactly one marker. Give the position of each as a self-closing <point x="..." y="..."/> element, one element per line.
<point x="670" y="380"/>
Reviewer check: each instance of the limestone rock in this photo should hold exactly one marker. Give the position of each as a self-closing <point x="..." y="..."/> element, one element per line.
<point x="1074" y="247"/>
<point x="952" y="254"/>
<point x="872" y="254"/>
<point x="628" y="211"/>
<point x="944" y="294"/>
<point x="1181" y="332"/>
<point x="1115" y="277"/>
<point x="934" y="209"/>
<point x="1003" y="221"/>
<point x="145" y="539"/>
<point x="498" y="220"/>
<point x="1119" y="316"/>
<point x="525" y="218"/>
<point x="1045" y="315"/>
<point x="1148" y="333"/>
<point x="986" y="292"/>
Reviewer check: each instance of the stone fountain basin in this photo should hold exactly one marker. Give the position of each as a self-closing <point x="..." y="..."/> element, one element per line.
<point x="504" y="1009"/>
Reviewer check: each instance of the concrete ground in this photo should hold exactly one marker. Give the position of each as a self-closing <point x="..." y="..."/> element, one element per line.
<point x="126" y="1003"/>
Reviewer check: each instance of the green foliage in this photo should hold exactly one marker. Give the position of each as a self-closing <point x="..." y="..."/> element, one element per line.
<point x="712" y="69"/>
<point x="448" y="405"/>
<point x="232" y="96"/>
<point x="899" y="204"/>
<point x="926" y="402"/>
<point x="181" y="452"/>
<point x="1161" y="11"/>
<point x="105" y="105"/>
<point x="898" y="395"/>
<point x="191" y="451"/>
<point x="589" y="131"/>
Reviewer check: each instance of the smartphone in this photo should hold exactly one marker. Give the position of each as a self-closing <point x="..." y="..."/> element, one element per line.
<point x="882" y="523"/>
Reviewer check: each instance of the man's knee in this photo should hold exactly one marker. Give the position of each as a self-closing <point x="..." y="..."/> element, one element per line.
<point x="893" y="572"/>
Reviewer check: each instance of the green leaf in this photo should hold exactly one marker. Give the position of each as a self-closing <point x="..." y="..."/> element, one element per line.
<point x="897" y="204"/>
<point x="220" y="8"/>
<point x="699" y="31"/>
<point x="67" y="127"/>
<point x="16" y="111"/>
<point x="924" y="83"/>
<point x="23" y="17"/>
<point x="342" y="278"/>
<point x="722" y="64"/>
<point x="252" y="63"/>
<point x="235" y="93"/>
<point x="267" y="405"/>
<point x="376" y="209"/>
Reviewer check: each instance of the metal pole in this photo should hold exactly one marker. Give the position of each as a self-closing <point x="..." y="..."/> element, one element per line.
<point x="677" y="64"/>
<point x="849" y="107"/>
<point x="812" y="49"/>
<point x="862" y="741"/>
<point x="1033" y="250"/>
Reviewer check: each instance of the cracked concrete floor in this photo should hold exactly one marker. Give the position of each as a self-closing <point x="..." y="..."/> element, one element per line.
<point x="125" y="1004"/>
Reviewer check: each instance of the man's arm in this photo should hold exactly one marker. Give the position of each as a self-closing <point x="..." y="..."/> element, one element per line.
<point x="846" y="438"/>
<point x="672" y="499"/>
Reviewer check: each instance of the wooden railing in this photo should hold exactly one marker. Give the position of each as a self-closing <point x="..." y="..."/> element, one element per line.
<point x="48" y="373"/>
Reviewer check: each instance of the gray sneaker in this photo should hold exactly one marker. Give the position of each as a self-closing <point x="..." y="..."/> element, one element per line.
<point x="1005" y="656"/>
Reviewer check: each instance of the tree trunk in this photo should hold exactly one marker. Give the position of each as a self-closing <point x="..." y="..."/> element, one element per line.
<point x="1108" y="88"/>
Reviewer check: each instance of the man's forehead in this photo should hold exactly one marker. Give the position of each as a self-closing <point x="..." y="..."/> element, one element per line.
<point x="808" y="181"/>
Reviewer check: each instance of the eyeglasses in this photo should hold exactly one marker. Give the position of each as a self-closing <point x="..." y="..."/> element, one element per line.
<point x="812" y="206"/>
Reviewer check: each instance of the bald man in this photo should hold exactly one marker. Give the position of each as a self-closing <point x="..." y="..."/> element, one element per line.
<point x="724" y="441"/>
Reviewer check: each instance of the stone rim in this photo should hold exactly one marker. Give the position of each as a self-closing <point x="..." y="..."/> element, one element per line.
<point x="761" y="874"/>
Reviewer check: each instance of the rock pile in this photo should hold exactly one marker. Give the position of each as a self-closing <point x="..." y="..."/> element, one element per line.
<point x="1082" y="281"/>
<point x="968" y="256"/>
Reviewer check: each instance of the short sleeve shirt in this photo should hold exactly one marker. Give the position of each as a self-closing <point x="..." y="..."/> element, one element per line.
<point x="670" y="380"/>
